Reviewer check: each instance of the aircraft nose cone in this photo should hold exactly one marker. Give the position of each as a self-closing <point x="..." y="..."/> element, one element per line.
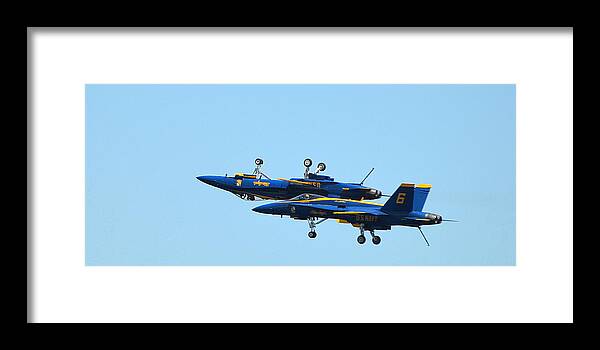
<point x="207" y="180"/>
<point x="265" y="209"/>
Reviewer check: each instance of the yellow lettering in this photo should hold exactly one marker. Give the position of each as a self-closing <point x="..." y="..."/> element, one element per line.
<point x="365" y="218"/>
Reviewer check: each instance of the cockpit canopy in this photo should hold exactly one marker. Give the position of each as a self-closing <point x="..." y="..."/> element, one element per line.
<point x="305" y="196"/>
<point x="244" y="176"/>
<point x="319" y="177"/>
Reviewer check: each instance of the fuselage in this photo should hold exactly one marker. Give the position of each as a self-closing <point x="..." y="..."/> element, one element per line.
<point x="250" y="186"/>
<point x="372" y="216"/>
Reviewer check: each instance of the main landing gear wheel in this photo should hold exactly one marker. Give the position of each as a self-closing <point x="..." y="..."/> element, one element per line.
<point x="258" y="161"/>
<point x="312" y="234"/>
<point x="307" y="162"/>
<point x="321" y="166"/>
<point x="375" y="239"/>
<point x="361" y="238"/>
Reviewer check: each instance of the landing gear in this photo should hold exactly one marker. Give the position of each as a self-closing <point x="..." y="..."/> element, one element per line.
<point x="259" y="162"/>
<point x="320" y="167"/>
<point x="375" y="239"/>
<point x="307" y="164"/>
<point x="361" y="238"/>
<point x="312" y="224"/>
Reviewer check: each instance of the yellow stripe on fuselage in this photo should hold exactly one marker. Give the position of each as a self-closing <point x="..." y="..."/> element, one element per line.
<point x="246" y="176"/>
<point x="337" y="200"/>
<point x="297" y="182"/>
<point x="313" y="183"/>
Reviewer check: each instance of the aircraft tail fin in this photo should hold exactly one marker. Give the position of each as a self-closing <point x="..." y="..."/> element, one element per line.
<point x="408" y="197"/>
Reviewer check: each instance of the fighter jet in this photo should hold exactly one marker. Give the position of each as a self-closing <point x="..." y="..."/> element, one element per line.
<point x="258" y="185"/>
<point x="404" y="208"/>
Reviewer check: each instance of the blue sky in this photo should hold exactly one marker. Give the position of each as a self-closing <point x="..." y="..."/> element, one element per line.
<point x="145" y="144"/>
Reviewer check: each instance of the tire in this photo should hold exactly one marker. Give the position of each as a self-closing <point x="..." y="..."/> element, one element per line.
<point x="361" y="239"/>
<point x="376" y="240"/>
<point x="321" y="166"/>
<point x="258" y="161"/>
<point x="312" y="234"/>
<point x="307" y="162"/>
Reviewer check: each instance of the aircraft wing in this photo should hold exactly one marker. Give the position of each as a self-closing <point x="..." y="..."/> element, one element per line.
<point x="335" y="210"/>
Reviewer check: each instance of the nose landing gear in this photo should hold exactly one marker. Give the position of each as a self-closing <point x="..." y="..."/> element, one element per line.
<point x="259" y="162"/>
<point x="312" y="224"/>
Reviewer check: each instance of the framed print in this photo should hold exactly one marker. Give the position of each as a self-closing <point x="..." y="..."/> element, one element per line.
<point x="453" y="147"/>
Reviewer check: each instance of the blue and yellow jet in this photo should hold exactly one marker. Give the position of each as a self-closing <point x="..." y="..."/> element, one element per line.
<point x="258" y="185"/>
<point x="404" y="208"/>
